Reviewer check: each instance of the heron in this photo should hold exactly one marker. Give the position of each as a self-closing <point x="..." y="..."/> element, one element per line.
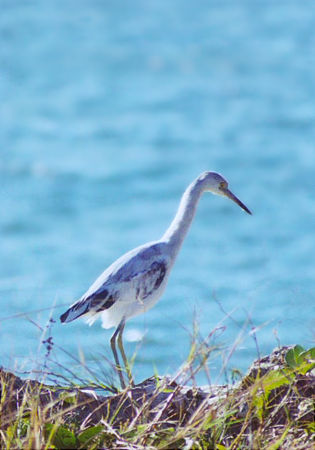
<point x="135" y="282"/>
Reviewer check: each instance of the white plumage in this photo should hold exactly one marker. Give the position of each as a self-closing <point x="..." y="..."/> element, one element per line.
<point x="136" y="281"/>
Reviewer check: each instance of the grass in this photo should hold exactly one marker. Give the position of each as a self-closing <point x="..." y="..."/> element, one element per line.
<point x="269" y="408"/>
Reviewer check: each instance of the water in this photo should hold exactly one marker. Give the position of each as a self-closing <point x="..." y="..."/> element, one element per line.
<point x="108" y="110"/>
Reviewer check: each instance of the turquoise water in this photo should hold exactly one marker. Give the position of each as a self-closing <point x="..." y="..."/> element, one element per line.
<point x="108" y="110"/>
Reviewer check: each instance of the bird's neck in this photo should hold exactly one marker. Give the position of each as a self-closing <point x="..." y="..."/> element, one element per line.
<point x="179" y="227"/>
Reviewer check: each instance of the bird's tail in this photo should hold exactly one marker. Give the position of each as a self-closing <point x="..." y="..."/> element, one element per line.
<point x="78" y="309"/>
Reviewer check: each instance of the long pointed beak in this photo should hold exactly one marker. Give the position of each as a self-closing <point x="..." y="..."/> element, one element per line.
<point x="233" y="197"/>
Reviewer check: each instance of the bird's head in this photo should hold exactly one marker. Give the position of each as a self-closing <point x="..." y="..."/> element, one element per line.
<point x="215" y="183"/>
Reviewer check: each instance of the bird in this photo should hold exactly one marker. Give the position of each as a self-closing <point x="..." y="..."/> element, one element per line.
<point x="135" y="282"/>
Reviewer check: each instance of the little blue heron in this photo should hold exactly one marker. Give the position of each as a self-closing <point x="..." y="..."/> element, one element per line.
<point x="136" y="281"/>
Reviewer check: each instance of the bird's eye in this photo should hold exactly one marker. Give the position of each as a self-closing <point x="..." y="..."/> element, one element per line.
<point x="223" y="185"/>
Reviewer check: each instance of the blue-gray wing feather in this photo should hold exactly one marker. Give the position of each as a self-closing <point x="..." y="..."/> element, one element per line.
<point x="144" y="267"/>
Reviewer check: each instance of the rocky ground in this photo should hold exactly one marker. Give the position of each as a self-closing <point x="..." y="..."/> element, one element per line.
<point x="272" y="405"/>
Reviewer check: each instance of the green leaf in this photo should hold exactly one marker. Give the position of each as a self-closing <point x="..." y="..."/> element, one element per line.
<point x="293" y="357"/>
<point x="68" y="397"/>
<point x="90" y="434"/>
<point x="259" y="403"/>
<point x="301" y="360"/>
<point x="23" y="427"/>
<point x="311" y="427"/>
<point x="273" y="380"/>
<point x="299" y="349"/>
<point x="10" y="431"/>
<point x="61" y="436"/>
<point x="309" y="355"/>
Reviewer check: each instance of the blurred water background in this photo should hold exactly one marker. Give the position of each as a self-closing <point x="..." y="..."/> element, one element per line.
<point x="108" y="110"/>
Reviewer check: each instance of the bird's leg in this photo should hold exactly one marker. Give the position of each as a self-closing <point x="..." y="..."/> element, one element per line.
<point x="123" y="354"/>
<point x="113" y="346"/>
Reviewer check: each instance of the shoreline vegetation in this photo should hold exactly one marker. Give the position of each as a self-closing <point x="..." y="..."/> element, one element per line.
<point x="271" y="407"/>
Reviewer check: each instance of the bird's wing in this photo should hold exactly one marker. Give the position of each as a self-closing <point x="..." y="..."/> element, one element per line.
<point x="147" y="280"/>
<point x="138" y="272"/>
<point x="96" y="302"/>
<point x="136" y="285"/>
